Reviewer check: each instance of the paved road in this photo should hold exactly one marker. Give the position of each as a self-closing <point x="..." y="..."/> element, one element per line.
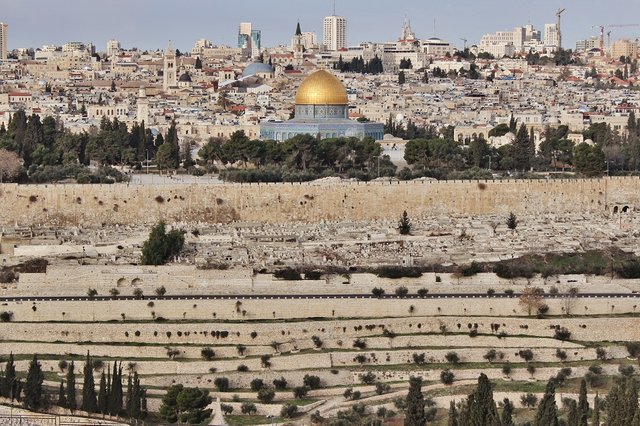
<point x="435" y="296"/>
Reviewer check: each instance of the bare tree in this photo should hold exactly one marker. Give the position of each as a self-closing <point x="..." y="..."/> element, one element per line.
<point x="9" y="164"/>
<point x="569" y="300"/>
<point x="532" y="298"/>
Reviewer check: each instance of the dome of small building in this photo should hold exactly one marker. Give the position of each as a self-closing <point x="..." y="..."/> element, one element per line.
<point x="257" y="68"/>
<point x="321" y="88"/>
<point x="185" y="78"/>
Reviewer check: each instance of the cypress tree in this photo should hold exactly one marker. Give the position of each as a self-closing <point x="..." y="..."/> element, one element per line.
<point x="573" y="418"/>
<point x="595" y="417"/>
<point x="8" y="382"/>
<point x="102" y="395"/>
<point x="547" y="414"/>
<point x="89" y="399"/>
<point x="62" y="398"/>
<point x="583" y="404"/>
<point x="129" y="395"/>
<point x="507" y="413"/>
<point x="143" y="403"/>
<point x="136" y="405"/>
<point x="115" y="400"/>
<point x="33" y="386"/>
<point x="482" y="407"/>
<point x="414" y="413"/>
<point x="453" y="414"/>
<point x="71" y="387"/>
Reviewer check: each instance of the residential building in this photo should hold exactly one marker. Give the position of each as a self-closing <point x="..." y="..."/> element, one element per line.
<point x="335" y="32"/>
<point x="551" y="36"/>
<point x="3" y="40"/>
<point x="113" y="48"/>
<point x="588" y="44"/>
<point x="625" y="47"/>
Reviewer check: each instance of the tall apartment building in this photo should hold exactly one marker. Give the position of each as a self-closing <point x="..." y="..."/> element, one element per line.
<point x="588" y="44"/>
<point x="551" y="38"/>
<point x="113" y="48"/>
<point x="335" y="32"/>
<point x="249" y="39"/>
<point x="3" y="40"/>
<point x="625" y="47"/>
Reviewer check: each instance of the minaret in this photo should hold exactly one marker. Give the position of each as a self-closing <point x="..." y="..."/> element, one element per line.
<point x="298" y="48"/>
<point x="143" y="107"/>
<point x="169" y="76"/>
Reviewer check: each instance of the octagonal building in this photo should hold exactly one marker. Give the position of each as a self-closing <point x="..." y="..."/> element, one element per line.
<point x="322" y="110"/>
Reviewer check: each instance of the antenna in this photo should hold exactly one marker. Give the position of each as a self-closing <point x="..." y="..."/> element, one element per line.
<point x="434" y="27"/>
<point x="334" y="7"/>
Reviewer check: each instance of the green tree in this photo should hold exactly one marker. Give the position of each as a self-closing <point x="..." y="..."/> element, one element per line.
<point x="453" y="414"/>
<point x="9" y="379"/>
<point x="103" y="398"/>
<point x="415" y="404"/>
<point x="595" y="416"/>
<point x="71" y="387"/>
<point x="404" y="227"/>
<point x="185" y="404"/>
<point x="89" y="399"/>
<point x="507" y="413"/>
<point x="583" y="404"/>
<point x="512" y="221"/>
<point x="523" y="149"/>
<point x="480" y="409"/>
<point x="547" y="414"/>
<point x="116" y="394"/>
<point x="402" y="79"/>
<point x="162" y="246"/>
<point x="33" y="394"/>
<point x="62" y="398"/>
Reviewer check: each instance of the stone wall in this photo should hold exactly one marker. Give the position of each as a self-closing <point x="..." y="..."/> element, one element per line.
<point x="307" y="202"/>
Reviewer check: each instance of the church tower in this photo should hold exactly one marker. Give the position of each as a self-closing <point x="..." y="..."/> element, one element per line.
<point x="298" y="48"/>
<point x="169" y="75"/>
<point x="143" y="107"/>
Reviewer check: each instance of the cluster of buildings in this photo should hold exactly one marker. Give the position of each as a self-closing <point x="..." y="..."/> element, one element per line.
<point x="215" y="90"/>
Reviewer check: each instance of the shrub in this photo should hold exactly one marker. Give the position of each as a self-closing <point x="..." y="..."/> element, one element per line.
<point x="63" y="364"/>
<point x="114" y="292"/>
<point x="418" y="358"/>
<point x="401" y="291"/>
<point x="359" y="343"/>
<point x="422" y="292"/>
<point x="248" y="408"/>
<point x="138" y="293"/>
<point x="396" y="272"/>
<point x="377" y="292"/>
<point x="382" y="388"/>
<point x="509" y="292"/>
<point x="207" y="353"/>
<point x="287" y="274"/>
<point x="491" y="292"/>
<point x="633" y="348"/>
<point x="92" y="292"/>
<point x="601" y="353"/>
<point x="313" y="275"/>
<point x="562" y="334"/>
<point x="506" y="369"/>
<point x="561" y="355"/>
<point x="243" y="368"/>
<point x="368" y="378"/>
<point x="280" y="383"/>
<point x="161" y="291"/>
<point x="317" y="342"/>
<point x="162" y="246"/>
<point x="6" y="316"/>
<point x="470" y="270"/>
<point x="473" y="332"/>
<point x="265" y="361"/>
<point x="226" y="409"/>
<point x="300" y="392"/>
<point x="266" y="395"/>
<point x="526" y="354"/>
<point x="222" y="383"/>
<point x="312" y="382"/>
<point x="447" y="377"/>
<point x="529" y="400"/>
<point x="490" y="355"/>
<point x="512" y="221"/>
<point x="452" y="357"/>
<point x="256" y="385"/>
<point x="289" y="410"/>
<point x="626" y="370"/>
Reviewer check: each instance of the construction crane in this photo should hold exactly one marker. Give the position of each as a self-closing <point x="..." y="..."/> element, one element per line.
<point x="464" y="40"/>
<point x="558" y="13"/>
<point x="602" y="27"/>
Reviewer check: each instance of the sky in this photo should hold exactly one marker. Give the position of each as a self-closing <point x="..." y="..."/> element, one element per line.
<point x="150" y="24"/>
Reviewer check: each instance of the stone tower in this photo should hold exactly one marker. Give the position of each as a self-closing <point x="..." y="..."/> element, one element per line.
<point x="143" y="107"/>
<point x="169" y="76"/>
<point x="298" y="48"/>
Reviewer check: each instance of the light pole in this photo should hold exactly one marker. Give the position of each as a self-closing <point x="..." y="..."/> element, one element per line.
<point x="147" y="151"/>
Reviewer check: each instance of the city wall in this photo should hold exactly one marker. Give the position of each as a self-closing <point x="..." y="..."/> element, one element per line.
<point x="95" y="205"/>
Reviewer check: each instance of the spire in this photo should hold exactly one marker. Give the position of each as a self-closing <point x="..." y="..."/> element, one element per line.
<point x="170" y="48"/>
<point x="298" y="31"/>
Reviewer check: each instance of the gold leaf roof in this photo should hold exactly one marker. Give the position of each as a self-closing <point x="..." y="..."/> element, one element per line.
<point x="321" y="88"/>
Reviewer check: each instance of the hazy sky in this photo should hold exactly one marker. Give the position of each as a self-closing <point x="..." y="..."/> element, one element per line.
<point x="149" y="24"/>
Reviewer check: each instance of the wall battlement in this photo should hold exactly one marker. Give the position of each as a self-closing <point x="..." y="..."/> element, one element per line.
<point x="71" y="204"/>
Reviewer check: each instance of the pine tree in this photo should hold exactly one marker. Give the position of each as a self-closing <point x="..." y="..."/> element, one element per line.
<point x="71" y="387"/>
<point x="89" y="399"/>
<point x="414" y="413"/>
<point x="583" y="404"/>
<point x="507" y="413"/>
<point x="102" y="395"/>
<point x="33" y="386"/>
<point x="405" y="224"/>
<point x="547" y="414"/>
<point x="62" y="398"/>
<point x="453" y="414"/>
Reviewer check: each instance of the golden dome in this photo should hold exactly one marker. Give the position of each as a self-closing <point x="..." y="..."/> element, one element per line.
<point x="321" y="88"/>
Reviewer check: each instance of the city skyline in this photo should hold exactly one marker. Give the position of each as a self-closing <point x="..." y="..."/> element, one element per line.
<point x="150" y="24"/>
